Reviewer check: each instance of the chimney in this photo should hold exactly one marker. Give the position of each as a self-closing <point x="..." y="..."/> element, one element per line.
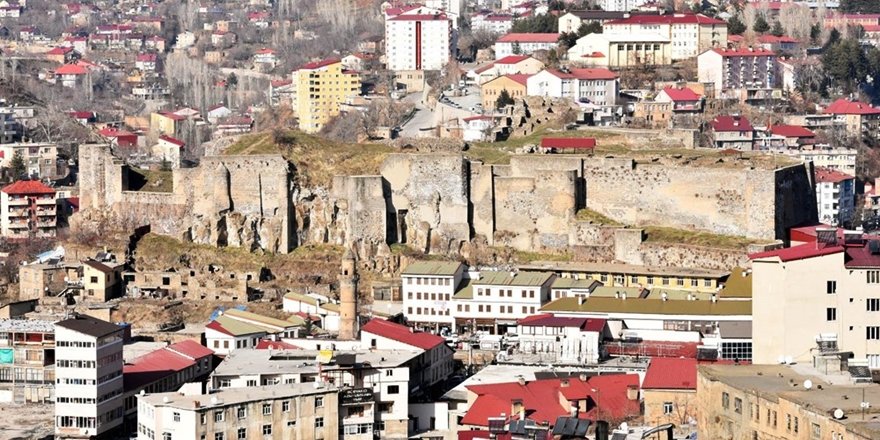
<point x="581" y="299"/>
<point x="632" y="393"/>
<point x="664" y="296"/>
<point x="564" y="383"/>
<point x="521" y="380"/>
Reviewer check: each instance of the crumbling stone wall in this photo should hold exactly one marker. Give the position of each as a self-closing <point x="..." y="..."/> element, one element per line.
<point x="534" y="212"/>
<point x="363" y="199"/>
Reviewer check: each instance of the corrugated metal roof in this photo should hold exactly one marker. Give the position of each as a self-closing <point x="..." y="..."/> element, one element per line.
<point x="499" y="278"/>
<point x="650" y="306"/>
<point x="442" y="268"/>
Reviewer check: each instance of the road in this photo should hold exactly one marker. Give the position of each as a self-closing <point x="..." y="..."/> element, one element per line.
<point x="425" y="118"/>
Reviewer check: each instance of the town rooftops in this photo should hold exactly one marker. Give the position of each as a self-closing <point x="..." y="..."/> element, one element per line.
<point x="725" y="123"/>
<point x="319" y="64"/>
<point x="162" y="363"/>
<point x="545" y="320"/>
<point x="234" y="396"/>
<point x="402" y="334"/>
<point x="296" y="296"/>
<point x="512" y="59"/>
<point x="738" y="284"/>
<point x="439" y="268"/>
<point x="649" y="306"/>
<point x="573" y="283"/>
<point x="845" y="106"/>
<point x="504" y="278"/>
<point x="681" y="94"/>
<point x="624" y="269"/>
<point x="232" y="327"/>
<point x="71" y="69"/>
<point x="97" y="265"/>
<point x="515" y="37"/>
<point x="828" y="175"/>
<point x="671" y="374"/>
<point x="257" y="319"/>
<point x="28" y="187"/>
<point x="744" y="52"/>
<point x="519" y="78"/>
<point x="26" y="326"/>
<point x="593" y="73"/>
<point x="791" y="131"/>
<point x="89" y="326"/>
<point x="667" y="19"/>
<point x="252" y="361"/>
<point x="59" y="51"/>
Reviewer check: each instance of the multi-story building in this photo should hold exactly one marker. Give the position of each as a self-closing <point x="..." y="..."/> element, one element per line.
<point x="313" y="305"/>
<point x="621" y="50"/>
<point x="510" y="65"/>
<point x="573" y="20"/>
<point x="494" y="301"/>
<point x="596" y="86"/>
<point x="427" y="289"/>
<point x="561" y="340"/>
<point x="382" y="379"/>
<point x="821" y="291"/>
<point x="734" y="69"/>
<point x="39" y="158"/>
<point x="418" y="40"/>
<point x="620" y="5"/>
<point x="732" y="132"/>
<point x="515" y="85"/>
<point x="88" y="378"/>
<point x="27" y="209"/>
<point x="37" y="280"/>
<point x="492" y="23"/>
<point x="321" y="87"/>
<point x="840" y="159"/>
<point x="295" y="411"/>
<point x="452" y="8"/>
<point x="235" y="329"/>
<point x="27" y="361"/>
<point x="857" y="117"/>
<point x="101" y="280"/>
<point x="432" y="366"/>
<point x="669" y="391"/>
<point x="690" y="34"/>
<point x="835" y="196"/>
<point x="783" y="402"/>
<point x="524" y="44"/>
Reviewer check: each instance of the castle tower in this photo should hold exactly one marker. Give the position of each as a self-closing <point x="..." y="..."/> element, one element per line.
<point x="348" y="321"/>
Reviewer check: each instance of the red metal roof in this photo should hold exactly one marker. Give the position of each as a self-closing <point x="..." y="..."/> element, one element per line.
<point x="593" y="73"/>
<point x="546" y="320"/>
<point x="529" y="38"/>
<point x="845" y="106"/>
<point x="265" y="344"/>
<point x="402" y="333"/>
<point x="745" y="52"/>
<point x="831" y="176"/>
<point x="319" y="64"/>
<point x="800" y="252"/>
<point x="512" y="59"/>
<point x="681" y="94"/>
<point x="70" y="69"/>
<point x="521" y="78"/>
<point x="791" y="131"/>
<point x="671" y="374"/>
<point x="172" y="140"/>
<point x="731" y="123"/>
<point x="770" y="39"/>
<point x="162" y="363"/>
<point x="60" y="51"/>
<point x="27" y="187"/>
<point x="585" y="143"/>
<point x="667" y="19"/>
<point x="190" y="349"/>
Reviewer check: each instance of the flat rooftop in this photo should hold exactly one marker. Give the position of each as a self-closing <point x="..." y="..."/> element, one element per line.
<point x="623" y="269"/>
<point x="253" y="362"/>
<point x="27" y="325"/>
<point x="233" y="396"/>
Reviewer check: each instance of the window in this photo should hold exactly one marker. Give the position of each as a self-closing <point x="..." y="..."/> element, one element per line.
<point x="242" y="434"/>
<point x="831" y="314"/>
<point x="166" y="436"/>
<point x="267" y="409"/>
<point x="831" y="287"/>
<point x="707" y="283"/>
<point x="650" y="281"/>
<point x="873" y="304"/>
<point x="219" y="436"/>
<point x="725" y="400"/>
<point x="176" y="416"/>
<point x="393" y="389"/>
<point x="795" y="425"/>
<point x="873" y="333"/>
<point x="737" y="405"/>
<point x="665" y="281"/>
<point x="389" y="373"/>
<point x="873" y="276"/>
<point x="319" y="402"/>
<point x="736" y="351"/>
<point x="267" y="429"/>
<point x="285" y="406"/>
<point x="788" y="422"/>
<point x="319" y="422"/>
<point x="815" y="431"/>
<point x="667" y="408"/>
<point x="204" y="418"/>
<point x="218" y="416"/>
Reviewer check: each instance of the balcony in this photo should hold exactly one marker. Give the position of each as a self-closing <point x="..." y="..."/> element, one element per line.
<point x="46" y="201"/>
<point x="21" y="201"/>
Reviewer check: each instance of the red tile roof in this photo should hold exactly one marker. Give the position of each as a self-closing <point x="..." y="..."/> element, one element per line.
<point x="844" y="106"/>
<point x="512" y="59"/>
<point x="831" y="176"/>
<point x="529" y="38"/>
<point x="667" y="19"/>
<point x="731" y="123"/>
<point x="70" y="69"/>
<point x="593" y="73"/>
<point x="800" y="252"/>
<point x="265" y="344"/>
<point x="319" y="64"/>
<point x="745" y="52"/>
<point x="24" y="187"/>
<point x="681" y="94"/>
<point x="172" y="140"/>
<point x="521" y="78"/>
<point x="545" y="320"/>
<point x="791" y="131"/>
<point x="402" y="333"/>
<point x="584" y="143"/>
<point x="671" y="374"/>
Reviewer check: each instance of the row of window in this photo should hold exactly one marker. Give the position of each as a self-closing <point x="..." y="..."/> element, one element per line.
<point x="427" y="296"/>
<point x="501" y="292"/>
<point x="77" y="344"/>
<point x="429" y="281"/>
<point x="792" y="424"/>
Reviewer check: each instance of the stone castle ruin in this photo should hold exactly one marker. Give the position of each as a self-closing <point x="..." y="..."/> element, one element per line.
<point x="438" y="202"/>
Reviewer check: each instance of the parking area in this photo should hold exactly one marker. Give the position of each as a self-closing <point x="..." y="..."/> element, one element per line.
<point x="463" y="98"/>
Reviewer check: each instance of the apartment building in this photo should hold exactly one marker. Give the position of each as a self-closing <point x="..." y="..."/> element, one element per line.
<point x="27" y="361"/>
<point x="596" y="86"/>
<point x="452" y="8"/>
<point x="295" y="411"/>
<point x="494" y="301"/>
<point x="558" y="340"/>
<point x="491" y="23"/>
<point x="524" y="44"/>
<point x="418" y="40"/>
<point x="839" y="159"/>
<point x="620" y="5"/>
<point x="515" y="85"/>
<point x="88" y="378"/>
<point x="321" y="87"/>
<point x="621" y="50"/>
<point x="734" y="69"/>
<point x="509" y="65"/>
<point x="27" y="209"/>
<point x="382" y="380"/>
<point x="732" y="132"/>
<point x="432" y="366"/>
<point x="235" y="329"/>
<point x="427" y="288"/>
<point x="783" y="402"/>
<point x="573" y="20"/>
<point x="835" y="196"/>
<point x="689" y="34"/>
<point x="670" y="391"/>
<point x="857" y="117"/>
<point x="822" y="288"/>
<point x="101" y="280"/>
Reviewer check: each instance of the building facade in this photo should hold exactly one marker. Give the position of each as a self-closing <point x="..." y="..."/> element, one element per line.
<point x="27" y="361"/>
<point x="621" y="50"/>
<point x="524" y="44"/>
<point x="835" y="196"/>
<point x="27" y="209"/>
<point x="733" y="69"/>
<point x="689" y="34"/>
<point x="321" y="87"/>
<point x="416" y="41"/>
<point x="428" y="288"/>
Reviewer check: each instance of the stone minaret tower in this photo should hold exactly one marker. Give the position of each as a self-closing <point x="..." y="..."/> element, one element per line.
<point x="348" y="320"/>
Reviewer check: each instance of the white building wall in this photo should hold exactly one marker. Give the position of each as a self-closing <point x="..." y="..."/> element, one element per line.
<point x="400" y="41"/>
<point x="835" y="201"/>
<point x="428" y="299"/>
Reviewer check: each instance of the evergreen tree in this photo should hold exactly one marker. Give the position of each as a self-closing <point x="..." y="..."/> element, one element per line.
<point x="761" y="25"/>
<point x="504" y="99"/>
<point x="815" y="33"/>
<point x="17" y="168"/>
<point x="735" y="26"/>
<point x="593" y="27"/>
<point x="777" y="29"/>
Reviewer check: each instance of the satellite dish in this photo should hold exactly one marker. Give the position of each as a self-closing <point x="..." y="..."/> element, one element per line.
<point x="838" y="413"/>
<point x="214" y="400"/>
<point x="808" y="384"/>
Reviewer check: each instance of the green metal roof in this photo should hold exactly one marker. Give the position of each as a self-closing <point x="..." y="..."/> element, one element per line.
<point x="737" y="285"/>
<point x="442" y="268"/>
<point x="465" y="291"/>
<point x="650" y="306"/>
<point x="239" y="328"/>
<point x="613" y="292"/>
<point x="499" y="278"/>
<point x="571" y="283"/>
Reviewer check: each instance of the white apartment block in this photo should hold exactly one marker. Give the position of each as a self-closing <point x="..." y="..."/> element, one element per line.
<point x="524" y="44"/>
<point x="88" y="377"/>
<point x="492" y="23"/>
<point x="620" y="5"/>
<point x="689" y="34"/>
<point x="494" y="301"/>
<point x="835" y="196"/>
<point x="452" y="8"/>
<point x="593" y="85"/>
<point x="427" y="290"/>
<point x="418" y="41"/>
<point x="301" y="411"/>
<point x="826" y="287"/>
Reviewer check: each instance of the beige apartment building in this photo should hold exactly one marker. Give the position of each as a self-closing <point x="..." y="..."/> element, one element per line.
<point x="283" y="412"/>
<point x="777" y="402"/>
<point x="823" y="292"/>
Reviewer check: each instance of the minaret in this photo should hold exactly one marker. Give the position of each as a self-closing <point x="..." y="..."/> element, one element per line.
<point x="348" y="321"/>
